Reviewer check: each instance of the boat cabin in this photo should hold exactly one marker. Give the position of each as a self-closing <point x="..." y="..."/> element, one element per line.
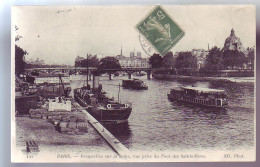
<point x="199" y="95"/>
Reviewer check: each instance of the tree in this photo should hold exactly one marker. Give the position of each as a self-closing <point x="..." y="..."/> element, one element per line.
<point x="19" y="56"/>
<point x="19" y="60"/>
<point x="168" y="60"/>
<point x="234" y="59"/>
<point x="214" y="60"/>
<point x="251" y="58"/>
<point x="185" y="60"/>
<point x="241" y="60"/>
<point x="156" y="61"/>
<point x="109" y="63"/>
<point x="91" y="61"/>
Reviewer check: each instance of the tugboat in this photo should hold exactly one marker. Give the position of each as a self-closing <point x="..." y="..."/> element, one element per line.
<point x="134" y="84"/>
<point x="215" y="98"/>
<point x="100" y="106"/>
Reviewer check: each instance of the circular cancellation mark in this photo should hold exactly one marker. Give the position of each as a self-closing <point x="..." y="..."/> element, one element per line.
<point x="147" y="47"/>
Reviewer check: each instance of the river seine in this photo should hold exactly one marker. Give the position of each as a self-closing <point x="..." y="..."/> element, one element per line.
<point x="157" y="124"/>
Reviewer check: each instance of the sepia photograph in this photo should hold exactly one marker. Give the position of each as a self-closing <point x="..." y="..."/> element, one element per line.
<point x="133" y="83"/>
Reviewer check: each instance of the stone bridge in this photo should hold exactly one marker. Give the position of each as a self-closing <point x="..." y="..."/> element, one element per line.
<point x="90" y="71"/>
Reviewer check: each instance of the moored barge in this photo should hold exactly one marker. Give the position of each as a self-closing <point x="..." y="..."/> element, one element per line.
<point x="100" y="106"/>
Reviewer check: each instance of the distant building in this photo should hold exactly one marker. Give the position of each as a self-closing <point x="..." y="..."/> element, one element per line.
<point x="133" y="61"/>
<point x="35" y="62"/>
<point x="138" y="55"/>
<point x="130" y="62"/>
<point x="201" y="55"/>
<point x="233" y="43"/>
<point x="132" y="54"/>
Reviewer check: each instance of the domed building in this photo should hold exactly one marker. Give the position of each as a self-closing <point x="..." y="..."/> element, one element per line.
<point x="233" y="43"/>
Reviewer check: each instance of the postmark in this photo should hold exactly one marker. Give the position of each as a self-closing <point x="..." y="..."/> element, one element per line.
<point x="160" y="30"/>
<point x="146" y="46"/>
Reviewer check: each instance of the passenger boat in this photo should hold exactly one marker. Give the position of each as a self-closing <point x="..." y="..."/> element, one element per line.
<point x="201" y="96"/>
<point x="100" y="106"/>
<point x="134" y="84"/>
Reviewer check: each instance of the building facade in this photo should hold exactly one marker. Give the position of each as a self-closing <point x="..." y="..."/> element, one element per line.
<point x="201" y="55"/>
<point x="133" y="61"/>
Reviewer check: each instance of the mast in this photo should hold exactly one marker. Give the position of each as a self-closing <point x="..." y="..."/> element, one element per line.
<point x="87" y="69"/>
<point x="63" y="87"/>
<point x="118" y="93"/>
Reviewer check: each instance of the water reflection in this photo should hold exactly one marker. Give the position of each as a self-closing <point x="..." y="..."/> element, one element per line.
<point x="212" y="116"/>
<point x="121" y="131"/>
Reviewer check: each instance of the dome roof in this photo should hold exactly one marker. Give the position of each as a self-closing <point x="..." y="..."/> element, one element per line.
<point x="233" y="43"/>
<point x="232" y="38"/>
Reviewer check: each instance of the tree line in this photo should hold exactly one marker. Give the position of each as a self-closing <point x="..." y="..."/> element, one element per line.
<point x="229" y="59"/>
<point x="216" y="59"/>
<point x="183" y="60"/>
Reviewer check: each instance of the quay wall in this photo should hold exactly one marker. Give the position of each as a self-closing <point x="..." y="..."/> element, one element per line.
<point x="206" y="73"/>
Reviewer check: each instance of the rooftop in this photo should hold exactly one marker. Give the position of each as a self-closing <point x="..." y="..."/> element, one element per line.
<point x="203" y="89"/>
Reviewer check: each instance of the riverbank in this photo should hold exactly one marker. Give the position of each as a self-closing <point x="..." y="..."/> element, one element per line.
<point x="239" y="80"/>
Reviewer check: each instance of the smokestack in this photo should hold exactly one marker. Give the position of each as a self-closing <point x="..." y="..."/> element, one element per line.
<point x="95" y="80"/>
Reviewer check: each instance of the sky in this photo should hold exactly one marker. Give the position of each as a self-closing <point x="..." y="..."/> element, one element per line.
<point x="58" y="34"/>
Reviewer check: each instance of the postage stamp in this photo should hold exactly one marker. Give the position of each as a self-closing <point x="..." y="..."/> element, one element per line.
<point x="160" y="30"/>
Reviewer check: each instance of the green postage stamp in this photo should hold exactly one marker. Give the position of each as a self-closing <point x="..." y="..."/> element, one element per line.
<point x="160" y="30"/>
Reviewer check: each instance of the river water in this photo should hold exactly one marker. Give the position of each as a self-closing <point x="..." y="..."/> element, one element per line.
<point x="157" y="124"/>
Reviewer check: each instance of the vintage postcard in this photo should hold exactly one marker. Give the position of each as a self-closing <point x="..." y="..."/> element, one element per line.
<point x="157" y="83"/>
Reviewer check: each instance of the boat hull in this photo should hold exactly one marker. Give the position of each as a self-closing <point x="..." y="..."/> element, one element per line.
<point x="106" y="115"/>
<point x="110" y="115"/>
<point x="195" y="101"/>
<point x="134" y="84"/>
<point x="135" y="88"/>
<point x="199" y="104"/>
